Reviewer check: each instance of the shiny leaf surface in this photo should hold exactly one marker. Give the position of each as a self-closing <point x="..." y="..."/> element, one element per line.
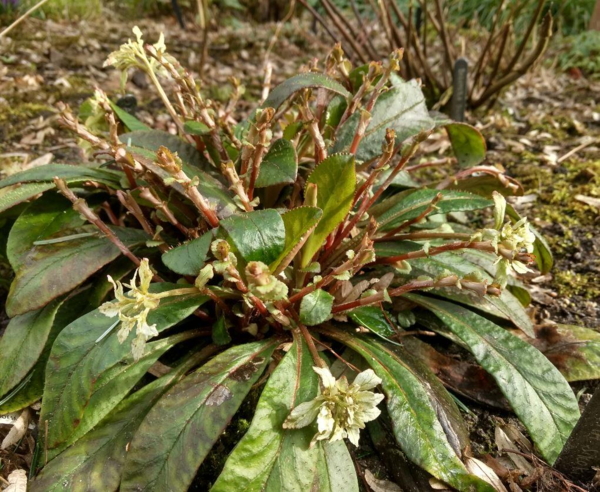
<point x="188" y="258"/>
<point x="279" y="165"/>
<point x="87" y="377"/>
<point x="410" y="407"/>
<point x="258" y="236"/>
<point x="402" y="109"/>
<point x="538" y="393"/>
<point x="335" y="179"/>
<point x="179" y="431"/>
<point x="51" y="270"/>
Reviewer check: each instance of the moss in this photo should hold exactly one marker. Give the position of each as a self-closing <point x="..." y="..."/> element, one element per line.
<point x="577" y="284"/>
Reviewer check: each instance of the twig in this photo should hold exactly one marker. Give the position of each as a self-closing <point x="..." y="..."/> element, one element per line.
<point x="448" y="51"/>
<point x="338" y="22"/>
<point x="521" y="48"/>
<point x="80" y="205"/>
<point x="519" y="71"/>
<point x="22" y="18"/>
<point x="577" y="149"/>
<point x="321" y="21"/>
<point x="369" y="44"/>
<point x="481" y="61"/>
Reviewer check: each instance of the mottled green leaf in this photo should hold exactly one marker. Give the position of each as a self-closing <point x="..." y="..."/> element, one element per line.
<point x="23" y="342"/>
<point x="336" y="470"/>
<point x="505" y="306"/>
<point x="51" y="270"/>
<point x="416" y="425"/>
<point x="95" y="461"/>
<point x="536" y="390"/>
<point x="402" y="109"/>
<point x="372" y="318"/>
<point x="181" y="428"/>
<point x="41" y="219"/>
<point x="71" y="174"/>
<point x="315" y="308"/>
<point x="410" y="206"/>
<point x="581" y="360"/>
<point x="195" y="164"/>
<point x="196" y="128"/>
<point x="88" y="375"/>
<point x="258" y="236"/>
<point x="468" y="144"/>
<point x="298" y="222"/>
<point x="188" y="258"/>
<point x="30" y="389"/>
<point x="335" y="178"/>
<point x="15" y="194"/>
<point x="152" y="140"/>
<point x="302" y="81"/>
<point x="130" y="121"/>
<point x="220" y="334"/>
<point x="279" y="165"/>
<point x="485" y="185"/>
<point x="257" y="455"/>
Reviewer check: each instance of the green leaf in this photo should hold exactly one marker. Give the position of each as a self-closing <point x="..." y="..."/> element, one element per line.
<point x="152" y="140"/>
<point x="336" y="180"/>
<point x="279" y="165"/>
<point x="195" y="164"/>
<point x="505" y="306"/>
<point x="196" y="128"/>
<point x="302" y="81"/>
<point x="181" y="428"/>
<point x="410" y="206"/>
<point x="315" y="307"/>
<point x="581" y="360"/>
<point x="130" y="121"/>
<point x="372" y="318"/>
<point x="486" y="184"/>
<point x="258" y="236"/>
<point x="71" y="174"/>
<point x="41" y="219"/>
<point x="51" y="270"/>
<point x="95" y="461"/>
<point x="13" y="195"/>
<point x="30" y="389"/>
<point x="88" y="375"/>
<point x="220" y="335"/>
<point x="402" y="109"/>
<point x="415" y="422"/>
<point x="541" y="249"/>
<point x="536" y="390"/>
<point x="269" y="458"/>
<point x="298" y="223"/>
<point x="468" y="144"/>
<point x="188" y="258"/>
<point x="22" y="344"/>
<point x="336" y="468"/>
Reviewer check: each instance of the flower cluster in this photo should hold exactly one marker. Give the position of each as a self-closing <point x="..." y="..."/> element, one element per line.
<point x="513" y="238"/>
<point x="133" y="55"/>
<point x="341" y="410"/>
<point x="133" y="308"/>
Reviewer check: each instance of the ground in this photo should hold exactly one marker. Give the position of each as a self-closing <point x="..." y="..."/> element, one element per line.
<point x="545" y="131"/>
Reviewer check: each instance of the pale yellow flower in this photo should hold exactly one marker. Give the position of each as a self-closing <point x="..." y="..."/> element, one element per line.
<point x="341" y="409"/>
<point x="133" y="55"/>
<point x="133" y="307"/>
<point x="516" y="237"/>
